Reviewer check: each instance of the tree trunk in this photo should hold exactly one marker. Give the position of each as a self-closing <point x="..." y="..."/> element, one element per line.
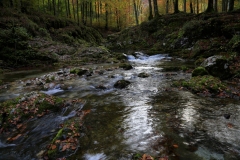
<point x="185" y="6"/>
<point x="150" y="10"/>
<point x="231" y="5"/>
<point x="77" y="12"/>
<point x="216" y="5"/>
<point x="197" y="6"/>
<point x="136" y="12"/>
<point x="106" y="16"/>
<point x="11" y="3"/>
<point x="91" y="12"/>
<point x="155" y="5"/>
<point x="210" y="6"/>
<point x="82" y="12"/>
<point x="191" y="7"/>
<point x="54" y="7"/>
<point x="73" y="7"/>
<point x="69" y="12"/>
<point x="66" y="7"/>
<point x="176" y="10"/>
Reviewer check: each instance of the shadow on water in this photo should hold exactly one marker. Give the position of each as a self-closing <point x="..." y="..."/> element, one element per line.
<point x="146" y="117"/>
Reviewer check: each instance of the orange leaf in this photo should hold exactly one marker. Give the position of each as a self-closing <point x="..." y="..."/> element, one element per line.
<point x="229" y="125"/>
<point x="19" y="126"/>
<point x="53" y="147"/>
<point x="57" y="141"/>
<point x="175" y="146"/>
<point x="64" y="148"/>
<point x="86" y="111"/>
<point x="16" y="137"/>
<point x="73" y="147"/>
<point x="144" y="157"/>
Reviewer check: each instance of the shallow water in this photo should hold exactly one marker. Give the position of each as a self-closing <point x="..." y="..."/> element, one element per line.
<point x="146" y="117"/>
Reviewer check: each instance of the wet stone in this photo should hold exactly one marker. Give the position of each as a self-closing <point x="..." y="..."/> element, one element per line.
<point x="121" y="84"/>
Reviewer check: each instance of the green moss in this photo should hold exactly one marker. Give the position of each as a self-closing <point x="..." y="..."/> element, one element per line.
<point x="199" y="71"/>
<point x="203" y="83"/>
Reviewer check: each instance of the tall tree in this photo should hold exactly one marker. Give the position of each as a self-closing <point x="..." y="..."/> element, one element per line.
<point x="191" y="7"/>
<point x="210" y="6"/>
<point x="176" y="10"/>
<point x="54" y="7"/>
<point x="216" y="5"/>
<point x="73" y="7"/>
<point x="150" y="10"/>
<point x="231" y="5"/>
<point x="136" y="11"/>
<point x="155" y="6"/>
<point x="78" y="12"/>
<point x="185" y="6"/>
<point x="106" y="16"/>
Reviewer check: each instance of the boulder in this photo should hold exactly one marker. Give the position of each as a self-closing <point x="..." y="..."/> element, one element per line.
<point x="217" y="66"/>
<point x="121" y="84"/>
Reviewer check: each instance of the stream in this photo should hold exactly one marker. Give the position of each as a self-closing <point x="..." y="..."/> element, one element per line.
<point x="149" y="116"/>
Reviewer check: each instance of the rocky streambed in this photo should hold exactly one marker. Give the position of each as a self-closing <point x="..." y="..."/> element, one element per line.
<point x="106" y="112"/>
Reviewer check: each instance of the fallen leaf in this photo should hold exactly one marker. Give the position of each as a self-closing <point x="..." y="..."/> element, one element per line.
<point x="16" y="137"/>
<point x="86" y="111"/>
<point x="57" y="141"/>
<point x="229" y="125"/>
<point x="144" y="157"/>
<point x="53" y="147"/>
<point x="73" y="147"/>
<point x="175" y="146"/>
<point x="19" y="126"/>
<point x="65" y="147"/>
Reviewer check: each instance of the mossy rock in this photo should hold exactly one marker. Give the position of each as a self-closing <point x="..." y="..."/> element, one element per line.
<point x="202" y="83"/>
<point x="199" y="71"/>
<point x="126" y="66"/>
<point x="82" y="72"/>
<point x="217" y="66"/>
<point x="143" y="75"/>
<point x="121" y="84"/>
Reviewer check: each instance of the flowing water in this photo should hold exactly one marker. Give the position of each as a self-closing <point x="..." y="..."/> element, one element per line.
<point x="146" y="117"/>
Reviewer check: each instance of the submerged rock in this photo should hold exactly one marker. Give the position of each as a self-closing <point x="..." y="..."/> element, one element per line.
<point x="143" y="75"/>
<point x="126" y="66"/>
<point x="121" y="84"/>
<point x="217" y="66"/>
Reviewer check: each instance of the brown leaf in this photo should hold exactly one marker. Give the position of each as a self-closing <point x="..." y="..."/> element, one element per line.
<point x="57" y="141"/>
<point x="73" y="147"/>
<point x="76" y="134"/>
<point x="19" y="126"/>
<point x="175" y="146"/>
<point x="144" y="157"/>
<point x="230" y="125"/>
<point x="16" y="137"/>
<point x="66" y="146"/>
<point x="53" y="147"/>
<point x="86" y="111"/>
